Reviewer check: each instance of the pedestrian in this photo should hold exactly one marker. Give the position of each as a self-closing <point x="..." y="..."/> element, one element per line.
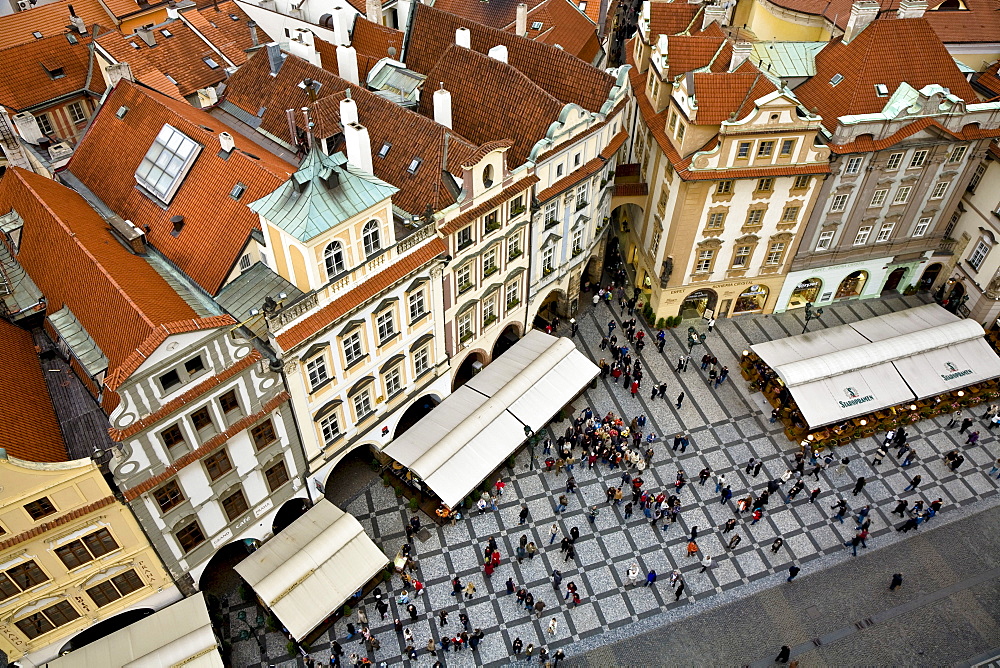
<point x="442" y="618"/>
<point x="954" y="419"/>
<point x="711" y="324"/>
<point x="557" y="657"/>
<point x="561" y="505"/>
<point x="813" y="495"/>
<point x="750" y="464"/>
<point x="651" y="577"/>
<point x="553" y="532"/>
<point x="412" y="611"/>
<point x="973" y="438"/>
<point x="523" y="517"/>
<point x="628" y="510"/>
<point x="574" y="534"/>
<point x="570" y="553"/>
<point x="913" y="483"/>
<point x="692" y="548"/>
<point x="632" y="575"/>
<point x="843" y="466"/>
<point x="661" y="390"/>
<point x="556" y="578"/>
<point x="757" y="467"/>
<point x="897" y="581"/>
<point x="735" y="541"/>
<point x="783" y="655"/>
<point x="680" y="399"/>
<point x="859" y="485"/>
<point x="706" y="563"/>
<point x="679" y="591"/>
<point x="706" y="473"/>
<point x="729" y="526"/>
<point x="470" y="588"/>
<point x="966" y="423"/>
<point x="727" y="494"/>
<point x="776" y="545"/>
<point x="720" y="480"/>
<point x="517" y="645"/>
<point x="792" y="572"/>
<point x="510" y="585"/>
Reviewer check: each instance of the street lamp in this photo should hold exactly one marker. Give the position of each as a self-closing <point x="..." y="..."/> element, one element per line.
<point x="533" y="439"/>
<point x="811" y="315"/>
<point x="694" y="339"/>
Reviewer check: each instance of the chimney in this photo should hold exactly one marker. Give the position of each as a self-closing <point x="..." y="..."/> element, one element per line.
<point x="343" y="18"/>
<point x="714" y="14"/>
<point x="347" y="64"/>
<point x="498" y="52"/>
<point x="359" y="146"/>
<point x="253" y="34"/>
<point x="403" y="8"/>
<point x="348" y="110"/>
<point x="226" y="142"/>
<point x="521" y="22"/>
<point x="463" y="38"/>
<point x="146" y="35"/>
<point x="28" y="128"/>
<point x="442" y="106"/>
<point x="741" y="51"/>
<point x="76" y="21"/>
<point x="118" y="71"/>
<point x="373" y="9"/>
<point x="911" y="9"/>
<point x="178" y="225"/>
<point x="274" y="58"/>
<point x="303" y="44"/>
<point x="863" y="12"/>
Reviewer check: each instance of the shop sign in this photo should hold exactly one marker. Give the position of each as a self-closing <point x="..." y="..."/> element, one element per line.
<point x="953" y="372"/>
<point x="854" y="398"/>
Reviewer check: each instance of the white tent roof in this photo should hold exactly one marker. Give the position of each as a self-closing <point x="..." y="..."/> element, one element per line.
<point x="312" y="567"/>
<point x="180" y="634"/>
<point x="473" y="430"/>
<point x="850" y="370"/>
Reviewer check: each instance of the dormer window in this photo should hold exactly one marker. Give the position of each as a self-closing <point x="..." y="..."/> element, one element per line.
<point x="371" y="237"/>
<point x="55" y="72"/>
<point x="166" y="163"/>
<point x="535" y="25"/>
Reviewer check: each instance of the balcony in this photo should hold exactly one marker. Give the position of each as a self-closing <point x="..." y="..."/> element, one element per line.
<point x="945" y="247"/>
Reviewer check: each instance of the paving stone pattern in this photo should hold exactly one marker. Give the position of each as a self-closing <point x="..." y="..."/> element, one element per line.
<point x="726" y="426"/>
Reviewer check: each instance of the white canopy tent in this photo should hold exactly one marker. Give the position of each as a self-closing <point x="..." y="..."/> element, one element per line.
<point x="180" y="634"/>
<point x="842" y="372"/>
<point x="455" y="446"/>
<point x="312" y="567"/>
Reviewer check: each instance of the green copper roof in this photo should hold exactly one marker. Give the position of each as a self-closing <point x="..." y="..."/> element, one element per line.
<point x="322" y="193"/>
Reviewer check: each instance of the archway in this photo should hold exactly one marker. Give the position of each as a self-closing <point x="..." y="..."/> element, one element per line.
<point x="805" y="292"/>
<point x="624" y="216"/>
<point x="290" y="511"/>
<point x="220" y="577"/>
<point x="930" y="275"/>
<point x="470" y="366"/>
<point x="590" y="278"/>
<point x="696" y="303"/>
<point x="105" y="628"/>
<point x="955" y="297"/>
<point x="418" y="409"/>
<point x="551" y="307"/>
<point x="352" y="474"/>
<point x="853" y="285"/>
<point x="508" y="337"/>
<point x="751" y="300"/>
<point x="892" y="282"/>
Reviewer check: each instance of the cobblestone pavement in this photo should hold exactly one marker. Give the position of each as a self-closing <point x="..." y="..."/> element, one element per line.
<point x="726" y="426"/>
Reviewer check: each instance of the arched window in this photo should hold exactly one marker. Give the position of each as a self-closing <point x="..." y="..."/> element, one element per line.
<point x="370" y="234"/>
<point x="333" y="259"/>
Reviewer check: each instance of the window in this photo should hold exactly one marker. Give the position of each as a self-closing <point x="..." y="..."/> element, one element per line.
<point x="704" y="262"/>
<point x="463" y="276"/>
<point x="24" y="576"/>
<point x="775" y="253"/>
<point x="245" y="261"/>
<point x="263" y="434"/>
<point x="681" y="130"/>
<point x="167" y="163"/>
<point x="363" y="405"/>
<point x="881" y="90"/>
<point x="673" y="120"/>
<point x="724" y="188"/>
<point x="330" y="426"/>
<point x="854" y="165"/>
<point x="976" y="177"/>
<point x="76" y="112"/>
<point x="514" y="246"/>
<point x="958" y="153"/>
<point x="172" y="436"/>
<point x="513" y="293"/>
<point x="414" y="165"/>
<point x="490" y="261"/>
<point x="559" y="171"/>
<point x="418" y="306"/>
<point x="190" y="536"/>
<point x="464" y="237"/>
<point x="743" y="150"/>
<point x="421" y="361"/>
<point x="550" y="213"/>
<point x="229" y="403"/>
<point x="333" y="259"/>
<point x="940" y="188"/>
<point x="839" y="202"/>
<point x="489" y="310"/>
<point x="317" y="372"/>
<point x="536" y="25"/>
<point x="385" y="323"/>
<point x="921" y="228"/>
<point x="918" y="159"/>
<point x="825" y="240"/>
<point x="878" y="199"/>
<point x="491" y="221"/>
<point x="50" y="618"/>
<point x="465" y="327"/>
<point x="716" y="220"/>
<point x="548" y="257"/>
<point x="235" y="504"/>
<point x="202" y="419"/>
<point x="787" y="146"/>
<point x="801" y="182"/>
<point x="765" y="185"/>
<point x="862" y="236"/>
<point x="42" y="121"/>
<point x="117" y="587"/>
<point x="754" y="216"/>
<point x="582" y="194"/>
<point x="276" y="475"/>
<point x="894" y="161"/>
<point x="790" y="214"/>
<point x="372" y="240"/>
<point x="194" y="366"/>
<point x="352" y="348"/>
<point x="517" y="205"/>
<point x="765" y="149"/>
<point x="384" y="149"/>
<point x="884" y="232"/>
<point x="979" y="254"/>
<point x="741" y="257"/>
<point x="168" y="496"/>
<point x="902" y="195"/>
<point x="576" y="159"/>
<point x="170" y="380"/>
<point x="217" y="464"/>
<point x="86" y="549"/>
<point x="393" y="382"/>
<point x="578" y="242"/>
<point x="40" y="508"/>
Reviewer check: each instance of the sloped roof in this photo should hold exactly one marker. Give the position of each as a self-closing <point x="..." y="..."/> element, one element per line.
<point x="216" y="226"/>
<point x="306" y="207"/>
<point x="50" y="19"/>
<point x="46" y="69"/>
<point x="721" y="94"/>
<point x="224" y="24"/>
<point x="495" y="14"/>
<point x="564" y="24"/>
<point x="31" y="431"/>
<point x="671" y="18"/>
<point x="686" y="53"/>
<point x="989" y="80"/>
<point x="889" y="51"/>
<point x="560" y="74"/>
<point x="371" y="41"/>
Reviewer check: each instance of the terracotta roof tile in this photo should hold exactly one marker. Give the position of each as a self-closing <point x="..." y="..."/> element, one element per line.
<point x="889" y="51"/>
<point x="670" y="18"/>
<point x="46" y="69"/>
<point x="564" y="24"/>
<point x="374" y="40"/>
<point x="224" y="24"/>
<point x="989" y="80"/>
<point x="587" y="169"/>
<point x="466" y="217"/>
<point x="631" y="190"/>
<point x="616" y="143"/>
<point x="495" y="14"/>
<point x="107" y="157"/>
<point x="122" y="8"/>
<point x="50" y="19"/>
<point x="31" y="431"/>
<point x="55" y="523"/>
<point x="867" y="144"/>
<point x="367" y="289"/>
<point x="720" y="95"/>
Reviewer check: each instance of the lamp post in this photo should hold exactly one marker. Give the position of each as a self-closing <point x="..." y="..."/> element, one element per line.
<point x="694" y="339"/>
<point x="811" y="315"/>
<point x="532" y="441"/>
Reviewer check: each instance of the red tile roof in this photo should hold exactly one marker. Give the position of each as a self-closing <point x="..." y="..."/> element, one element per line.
<point x="466" y="217"/>
<point x="989" y="80"/>
<point x="50" y="19"/>
<point x="495" y="14"/>
<point x="367" y="289"/>
<point x="107" y="157"/>
<point x="889" y="51"/>
<point x="721" y="95"/>
<point x="631" y="189"/>
<point x="867" y="144"/>
<point x="372" y="43"/>
<point x="564" y="24"/>
<point x="31" y="77"/>
<point x="585" y="170"/>
<point x="224" y="24"/>
<point x="671" y="18"/>
<point x="31" y="430"/>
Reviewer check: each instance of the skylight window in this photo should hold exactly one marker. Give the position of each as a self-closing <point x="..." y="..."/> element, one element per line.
<point x="536" y="25"/>
<point x="237" y="191"/>
<point x="836" y="79"/>
<point x="211" y="63"/>
<point x="170" y="78"/>
<point x="56" y="73"/>
<point x="135" y="45"/>
<point x="234" y="17"/>
<point x="166" y="163"/>
<point x="71" y="38"/>
<point x="166" y="33"/>
<point x="414" y="165"/>
<point x="36" y="35"/>
<point x="881" y="90"/>
<point x="384" y="151"/>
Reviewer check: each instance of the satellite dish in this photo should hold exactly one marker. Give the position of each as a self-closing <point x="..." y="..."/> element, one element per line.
<point x="392" y="52"/>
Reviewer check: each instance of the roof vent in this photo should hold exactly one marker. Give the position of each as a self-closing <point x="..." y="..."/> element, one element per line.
<point x="836" y="79"/>
<point x="121" y="112"/>
<point x="178" y="223"/>
<point x="463" y="38"/>
<point x="226" y="142"/>
<point x="275" y="58"/>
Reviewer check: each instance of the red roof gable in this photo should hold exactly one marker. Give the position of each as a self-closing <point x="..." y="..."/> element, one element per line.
<point x="46" y="69"/>
<point x="50" y="19"/>
<point x="224" y="24"/>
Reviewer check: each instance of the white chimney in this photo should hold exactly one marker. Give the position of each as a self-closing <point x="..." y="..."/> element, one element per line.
<point x="207" y="97"/>
<point x="27" y="127"/>
<point x="442" y="106"/>
<point x="348" y="110"/>
<point x="911" y="9"/>
<point x="521" y="22"/>
<point x="359" y="146"/>
<point x="118" y="71"/>
<point x="463" y="38"/>
<point x="374" y="10"/>
<point x="741" y="51"/>
<point x="714" y="14"/>
<point x="403" y="13"/>
<point x="226" y="142"/>
<point x="498" y="52"/>
<point x="343" y="21"/>
<point x="303" y="44"/>
<point x="863" y="12"/>
<point x="347" y="64"/>
<point x="146" y="35"/>
<point x="78" y="24"/>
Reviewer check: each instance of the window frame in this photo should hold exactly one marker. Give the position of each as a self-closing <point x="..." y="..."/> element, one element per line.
<point x="421" y="358"/>
<point x="787" y="148"/>
<point x="362" y="399"/>
<point x="270" y="472"/>
<point x="894" y="160"/>
<point x="765" y="185"/>
<point x="171" y="493"/>
<point x="902" y="195"/>
<point x="979" y="254"/>
<point x="790" y="214"/>
<point x="724" y="187"/>
<point x="334" y="261"/>
<point x="238" y="492"/>
<point x="743" y="150"/>
<point x="839" y="202"/>
<point x="704" y="261"/>
<point x="353" y="350"/>
<point x="317" y="372"/>
<point x="741" y="256"/>
<point x="853" y="165"/>
<point x="755" y="218"/>
<point x="371" y="238"/>
<point x="40" y="508"/>
<point x="920" y="229"/>
<point x="76" y="109"/>
<point x="861" y="237"/>
<point x="884" y="232"/>
<point x="213" y="463"/>
<point x="802" y="181"/>
<point x="330" y="428"/>
<point x="181" y="158"/>
<point x="189" y="529"/>
<point x="416" y="299"/>
<point x="940" y="188"/>
<point x="267" y="425"/>
<point x="958" y="154"/>
<point x="879" y="197"/>
<point x="919" y="159"/>
<point x="825" y="236"/>
<point x="716" y="220"/>
<point x="765" y="149"/>
<point x="385" y="326"/>
<point x="393" y="377"/>
<point x="775" y="253"/>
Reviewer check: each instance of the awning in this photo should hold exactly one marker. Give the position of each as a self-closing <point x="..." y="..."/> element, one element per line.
<point x="469" y="434"/>
<point x="842" y="372"/>
<point x="180" y="634"/>
<point x="312" y="567"/>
